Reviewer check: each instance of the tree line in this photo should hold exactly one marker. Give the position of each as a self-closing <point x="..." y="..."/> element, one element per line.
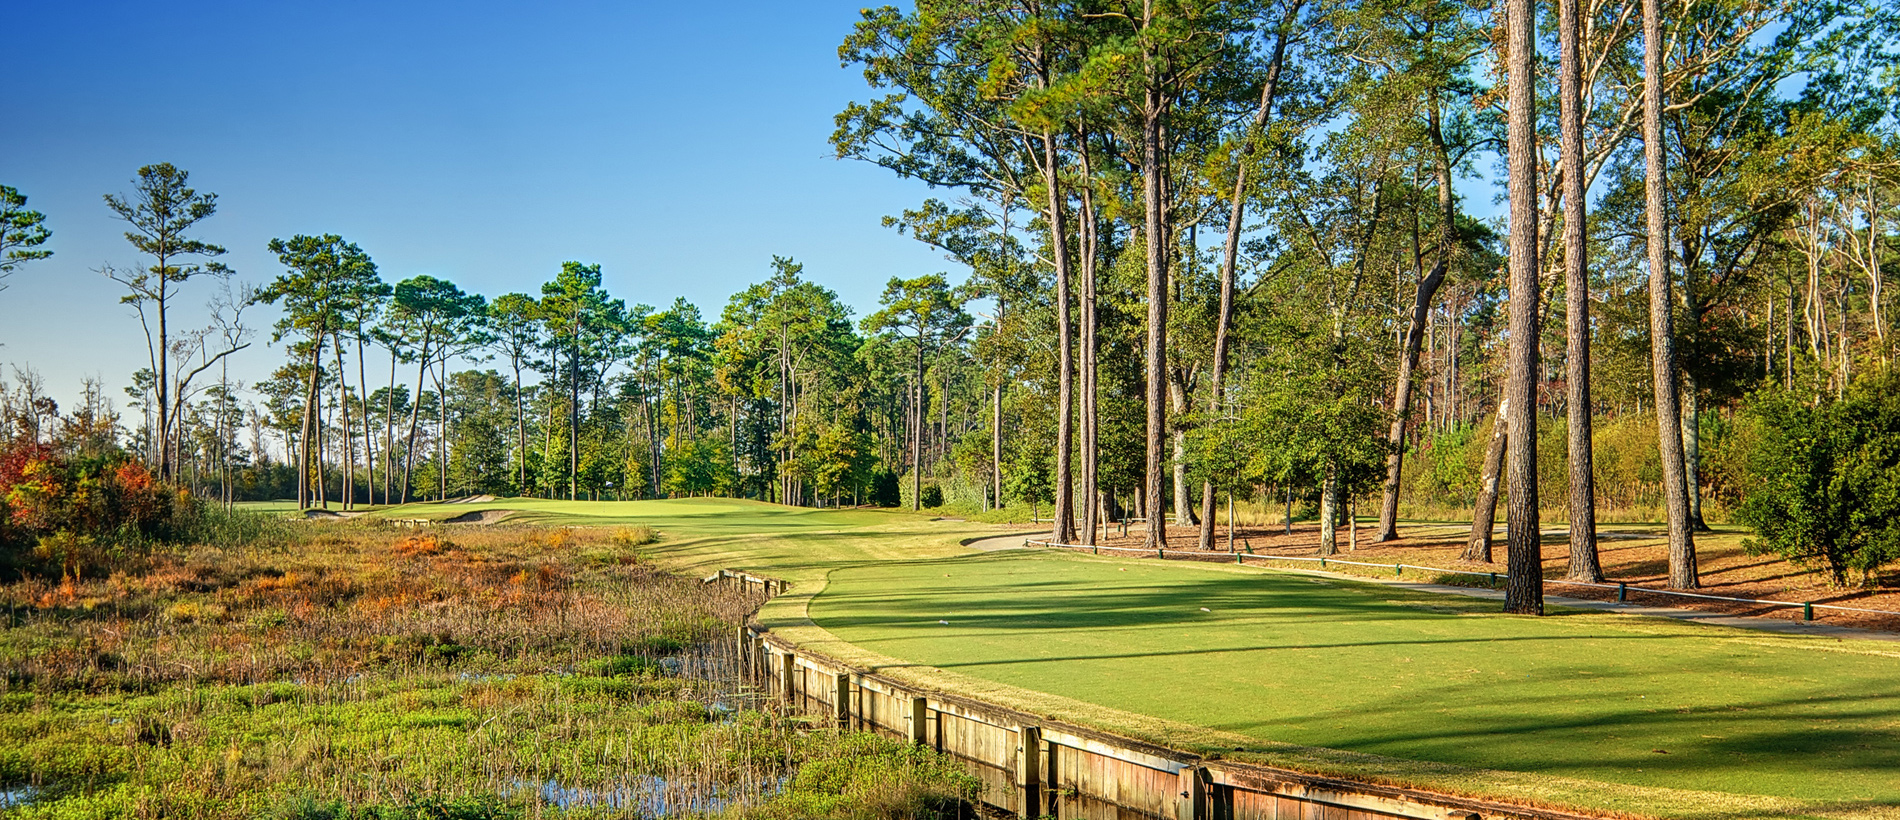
<point x="1214" y="249"/>
<point x="1242" y="231"/>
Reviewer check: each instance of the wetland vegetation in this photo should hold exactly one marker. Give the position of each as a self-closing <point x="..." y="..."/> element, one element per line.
<point x="358" y="670"/>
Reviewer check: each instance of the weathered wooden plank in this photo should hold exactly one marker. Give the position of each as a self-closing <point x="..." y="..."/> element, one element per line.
<point x="1089" y="774"/>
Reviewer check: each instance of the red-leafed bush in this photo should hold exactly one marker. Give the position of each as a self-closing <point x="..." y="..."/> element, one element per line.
<point x="76" y="514"/>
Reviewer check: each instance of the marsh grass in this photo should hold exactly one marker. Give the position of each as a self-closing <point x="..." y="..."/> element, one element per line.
<point x="358" y="671"/>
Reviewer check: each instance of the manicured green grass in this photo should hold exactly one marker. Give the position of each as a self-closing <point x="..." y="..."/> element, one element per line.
<point x="705" y="534"/>
<point x="1282" y="657"/>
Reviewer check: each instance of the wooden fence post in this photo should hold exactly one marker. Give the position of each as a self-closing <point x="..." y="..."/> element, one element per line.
<point x="919" y="713"/>
<point x="1193" y="803"/>
<point x="841" y="697"/>
<point x="1029" y="769"/>
<point x="788" y="688"/>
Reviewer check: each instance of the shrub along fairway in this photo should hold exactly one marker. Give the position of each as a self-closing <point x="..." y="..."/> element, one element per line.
<point x="1634" y="704"/>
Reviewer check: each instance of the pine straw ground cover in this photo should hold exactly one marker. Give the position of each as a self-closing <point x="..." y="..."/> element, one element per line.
<point x="1648" y="717"/>
<point x="1636" y="553"/>
<point x="364" y="671"/>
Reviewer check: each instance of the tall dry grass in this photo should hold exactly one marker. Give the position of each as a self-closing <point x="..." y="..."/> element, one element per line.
<point x="359" y="671"/>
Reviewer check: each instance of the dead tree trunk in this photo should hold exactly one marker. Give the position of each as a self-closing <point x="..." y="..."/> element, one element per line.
<point x="1484" y="513"/>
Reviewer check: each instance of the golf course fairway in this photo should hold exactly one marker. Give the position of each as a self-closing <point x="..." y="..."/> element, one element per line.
<point x="1643" y="715"/>
<point x="1357" y="666"/>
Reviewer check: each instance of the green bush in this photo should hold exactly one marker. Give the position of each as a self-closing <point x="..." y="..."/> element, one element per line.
<point x="304" y="807"/>
<point x="1822" y="484"/>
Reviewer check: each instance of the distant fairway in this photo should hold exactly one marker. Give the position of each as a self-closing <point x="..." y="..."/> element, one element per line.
<point x="1362" y="667"/>
<point x="705" y="534"/>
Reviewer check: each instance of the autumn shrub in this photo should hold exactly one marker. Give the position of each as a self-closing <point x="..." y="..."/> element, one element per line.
<point x="79" y="514"/>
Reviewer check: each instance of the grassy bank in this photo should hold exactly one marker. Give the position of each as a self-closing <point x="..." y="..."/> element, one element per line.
<point x="1629" y="713"/>
<point x="1605" y="712"/>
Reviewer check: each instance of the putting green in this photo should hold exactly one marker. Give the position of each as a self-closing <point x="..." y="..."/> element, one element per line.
<point x="1369" y="668"/>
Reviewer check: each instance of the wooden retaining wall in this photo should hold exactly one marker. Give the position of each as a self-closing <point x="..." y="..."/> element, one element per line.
<point x="1033" y="767"/>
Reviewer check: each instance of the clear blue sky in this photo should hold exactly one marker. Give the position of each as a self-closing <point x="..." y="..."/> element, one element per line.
<point x="679" y="145"/>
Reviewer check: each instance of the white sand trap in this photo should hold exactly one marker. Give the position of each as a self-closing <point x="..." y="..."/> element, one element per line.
<point x="479" y="517"/>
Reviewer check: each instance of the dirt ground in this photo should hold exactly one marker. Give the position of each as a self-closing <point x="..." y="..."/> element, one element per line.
<point x="1636" y="554"/>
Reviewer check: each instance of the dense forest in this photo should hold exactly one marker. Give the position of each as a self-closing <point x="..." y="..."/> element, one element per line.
<point x="1203" y="251"/>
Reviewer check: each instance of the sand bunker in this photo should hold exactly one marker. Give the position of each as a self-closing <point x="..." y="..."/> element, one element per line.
<point x="479" y="517"/>
<point x="330" y="515"/>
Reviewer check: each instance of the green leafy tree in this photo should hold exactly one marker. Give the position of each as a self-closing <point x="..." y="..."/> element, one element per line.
<point x="432" y="318"/>
<point x="780" y="345"/>
<point x="926" y="314"/>
<point x="22" y="232"/>
<point x="585" y="326"/>
<point x="326" y="279"/>
<point x="478" y="425"/>
<point x="1030" y="472"/>
<point x="515" y="321"/>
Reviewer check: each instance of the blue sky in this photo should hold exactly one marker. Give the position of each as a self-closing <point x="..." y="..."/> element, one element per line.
<point x="679" y="145"/>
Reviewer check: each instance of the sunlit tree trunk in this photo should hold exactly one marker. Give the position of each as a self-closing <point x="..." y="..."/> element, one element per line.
<point x="1662" y="341"/>
<point x="1524" y="591"/>
<point x="1156" y="236"/>
<point x="1064" y="513"/>
<point x="1583" y="518"/>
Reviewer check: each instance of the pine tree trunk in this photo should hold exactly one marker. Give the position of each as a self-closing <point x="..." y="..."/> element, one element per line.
<point x="415" y="420"/>
<point x="916" y="430"/>
<point x="389" y="425"/>
<point x="1094" y="515"/>
<point x="521" y="438"/>
<point x="369" y="435"/>
<point x="1230" y="258"/>
<point x="1524" y="592"/>
<point x="1156" y="237"/>
<point x="310" y="491"/>
<point x="1692" y="449"/>
<point x="1184" y="511"/>
<point x="442" y="430"/>
<point x="996" y="443"/>
<point x="1662" y="341"/>
<point x="1064" y="513"/>
<point x="574" y="420"/>
<point x="348" y="496"/>
<point x="1584" y="565"/>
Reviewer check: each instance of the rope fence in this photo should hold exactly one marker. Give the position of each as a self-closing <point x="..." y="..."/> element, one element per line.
<point x="1623" y="589"/>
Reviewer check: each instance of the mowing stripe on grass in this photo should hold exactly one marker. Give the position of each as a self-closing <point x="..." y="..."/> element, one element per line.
<point x="1366" y="668"/>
